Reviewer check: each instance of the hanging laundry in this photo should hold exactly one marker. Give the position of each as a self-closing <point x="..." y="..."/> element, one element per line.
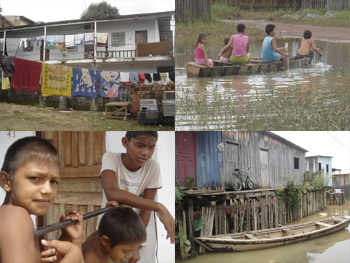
<point x="172" y="76"/>
<point x="156" y="77"/>
<point x="6" y="63"/>
<point x="56" y="80"/>
<point x="134" y="78"/>
<point x="110" y="84"/>
<point x="148" y="77"/>
<point x="89" y="39"/>
<point x="54" y="41"/>
<point x="69" y="41"/>
<point x="124" y="76"/>
<point x="26" y="75"/>
<point x="5" y="84"/>
<point x="141" y="78"/>
<point x="102" y="39"/>
<point x="85" y="82"/>
<point x="79" y="39"/>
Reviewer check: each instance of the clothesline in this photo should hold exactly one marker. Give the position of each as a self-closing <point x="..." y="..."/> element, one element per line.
<point x="70" y="81"/>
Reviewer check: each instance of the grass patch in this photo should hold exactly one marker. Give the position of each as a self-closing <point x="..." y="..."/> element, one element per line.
<point x="261" y="111"/>
<point x="217" y="26"/>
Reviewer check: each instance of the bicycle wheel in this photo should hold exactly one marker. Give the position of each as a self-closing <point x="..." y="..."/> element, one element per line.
<point x="237" y="184"/>
<point x="250" y="183"/>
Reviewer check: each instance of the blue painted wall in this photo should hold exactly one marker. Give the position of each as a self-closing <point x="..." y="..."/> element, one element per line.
<point x="208" y="159"/>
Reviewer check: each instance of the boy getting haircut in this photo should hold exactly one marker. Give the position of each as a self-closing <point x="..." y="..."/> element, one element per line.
<point x="134" y="134"/>
<point x="122" y="226"/>
<point x="119" y="233"/>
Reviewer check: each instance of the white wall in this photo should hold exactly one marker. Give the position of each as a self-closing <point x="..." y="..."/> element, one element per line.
<point x="165" y="156"/>
<point x="6" y="139"/>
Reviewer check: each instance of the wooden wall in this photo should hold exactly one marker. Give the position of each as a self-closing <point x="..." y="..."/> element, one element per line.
<point x="80" y="186"/>
<point x="249" y="147"/>
<point x="186" y="10"/>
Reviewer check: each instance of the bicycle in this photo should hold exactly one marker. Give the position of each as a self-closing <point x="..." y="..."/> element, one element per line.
<point x="240" y="179"/>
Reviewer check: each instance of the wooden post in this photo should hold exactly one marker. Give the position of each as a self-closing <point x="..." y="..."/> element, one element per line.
<point x="190" y="228"/>
<point x="235" y="220"/>
<point x="182" y="232"/>
<point x="255" y="222"/>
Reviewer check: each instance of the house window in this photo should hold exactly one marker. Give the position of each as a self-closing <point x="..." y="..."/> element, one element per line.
<point x="327" y="168"/>
<point x="296" y="163"/>
<point x="319" y="166"/>
<point x="118" y="39"/>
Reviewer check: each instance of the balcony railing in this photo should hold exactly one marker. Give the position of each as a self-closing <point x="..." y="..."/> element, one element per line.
<point x="116" y="54"/>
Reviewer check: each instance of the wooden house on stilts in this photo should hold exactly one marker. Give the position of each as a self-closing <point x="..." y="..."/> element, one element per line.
<point x="210" y="158"/>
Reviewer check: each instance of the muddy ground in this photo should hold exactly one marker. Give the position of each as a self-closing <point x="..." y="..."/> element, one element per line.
<point x="294" y="30"/>
<point x="29" y="118"/>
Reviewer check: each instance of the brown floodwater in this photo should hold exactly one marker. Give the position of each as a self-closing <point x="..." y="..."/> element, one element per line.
<point x="325" y="82"/>
<point x="333" y="248"/>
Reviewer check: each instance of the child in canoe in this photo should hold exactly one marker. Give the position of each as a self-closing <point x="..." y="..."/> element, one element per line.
<point x="307" y="46"/>
<point x="240" y="47"/>
<point x="224" y="57"/>
<point x="200" y="53"/>
<point x="270" y="51"/>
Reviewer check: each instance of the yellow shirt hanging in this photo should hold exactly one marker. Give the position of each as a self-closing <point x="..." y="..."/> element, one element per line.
<point x="56" y="80"/>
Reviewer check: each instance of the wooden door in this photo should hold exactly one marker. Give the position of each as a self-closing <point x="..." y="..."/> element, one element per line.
<point x="141" y="37"/>
<point x="185" y="156"/>
<point x="80" y="186"/>
<point x="264" y="168"/>
<point x="232" y="158"/>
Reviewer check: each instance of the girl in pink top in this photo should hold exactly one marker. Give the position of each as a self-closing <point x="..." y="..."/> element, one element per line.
<point x="200" y="53"/>
<point x="240" y="43"/>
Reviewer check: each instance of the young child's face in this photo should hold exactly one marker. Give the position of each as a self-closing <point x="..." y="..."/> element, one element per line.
<point x="139" y="150"/>
<point x="34" y="186"/>
<point x="122" y="252"/>
<point x="273" y="33"/>
<point x="204" y="40"/>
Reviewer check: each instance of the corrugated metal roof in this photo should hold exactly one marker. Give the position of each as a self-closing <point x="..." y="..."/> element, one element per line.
<point x="79" y="21"/>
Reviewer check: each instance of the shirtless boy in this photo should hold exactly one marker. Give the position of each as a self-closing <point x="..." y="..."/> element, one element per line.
<point x="307" y="46"/>
<point x="30" y="176"/>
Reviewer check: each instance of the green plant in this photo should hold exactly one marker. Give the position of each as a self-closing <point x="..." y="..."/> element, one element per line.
<point x="290" y="193"/>
<point x="190" y="181"/>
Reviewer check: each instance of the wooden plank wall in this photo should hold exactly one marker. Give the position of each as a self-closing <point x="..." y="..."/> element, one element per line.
<point x="186" y="10"/>
<point x="80" y="186"/>
<point x="240" y="212"/>
<point x="256" y="4"/>
<point x="280" y="156"/>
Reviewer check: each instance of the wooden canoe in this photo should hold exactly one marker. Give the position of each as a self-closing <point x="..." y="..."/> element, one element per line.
<point x="256" y="66"/>
<point x="274" y="236"/>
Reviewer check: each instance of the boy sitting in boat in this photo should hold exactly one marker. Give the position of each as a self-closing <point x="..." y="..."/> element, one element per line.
<point x="307" y="46"/>
<point x="240" y="47"/>
<point x="30" y="175"/>
<point x="119" y="233"/>
<point x="224" y="57"/>
<point x="270" y="51"/>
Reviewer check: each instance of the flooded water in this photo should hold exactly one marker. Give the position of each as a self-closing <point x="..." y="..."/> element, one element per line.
<point x="333" y="248"/>
<point x="211" y="103"/>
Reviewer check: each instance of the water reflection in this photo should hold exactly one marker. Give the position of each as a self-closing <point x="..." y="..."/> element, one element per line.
<point x="319" y="82"/>
<point x="331" y="248"/>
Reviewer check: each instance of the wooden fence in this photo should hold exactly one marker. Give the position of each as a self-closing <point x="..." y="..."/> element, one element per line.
<point x="259" y="4"/>
<point x="186" y="10"/>
<point x="234" y="212"/>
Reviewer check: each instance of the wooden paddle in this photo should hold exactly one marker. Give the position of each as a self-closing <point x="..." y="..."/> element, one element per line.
<point x="46" y="229"/>
<point x="286" y="58"/>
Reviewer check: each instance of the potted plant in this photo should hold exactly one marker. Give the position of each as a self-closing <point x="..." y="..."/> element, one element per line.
<point x="190" y="182"/>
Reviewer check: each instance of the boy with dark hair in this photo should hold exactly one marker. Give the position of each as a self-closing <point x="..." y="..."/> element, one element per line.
<point x="119" y="233"/>
<point x="270" y="51"/>
<point x="29" y="176"/>
<point x="132" y="179"/>
<point x="307" y="46"/>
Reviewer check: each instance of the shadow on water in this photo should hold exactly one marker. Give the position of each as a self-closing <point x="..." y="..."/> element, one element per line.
<point x="323" y="82"/>
<point x="332" y="248"/>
